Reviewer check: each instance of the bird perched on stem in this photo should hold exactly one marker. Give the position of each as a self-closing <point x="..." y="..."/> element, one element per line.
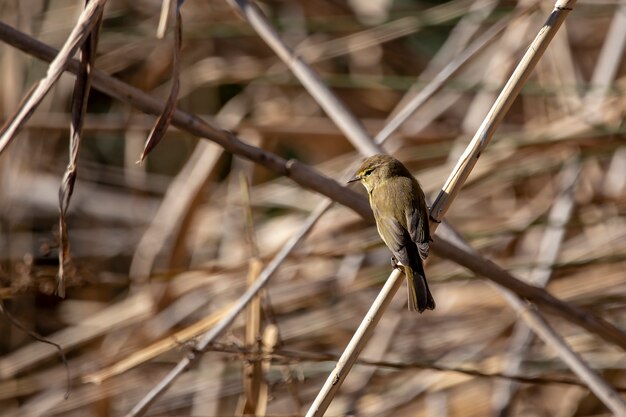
<point x="399" y="207"/>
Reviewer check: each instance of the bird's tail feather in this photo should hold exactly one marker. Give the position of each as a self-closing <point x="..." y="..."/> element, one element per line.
<point x="420" y="298"/>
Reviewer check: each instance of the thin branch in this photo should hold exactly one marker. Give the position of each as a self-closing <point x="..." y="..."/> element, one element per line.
<point x="15" y="322"/>
<point x="471" y="260"/>
<point x="290" y="355"/>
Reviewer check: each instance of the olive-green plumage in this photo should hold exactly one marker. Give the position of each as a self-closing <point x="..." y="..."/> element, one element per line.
<point x="399" y="207"/>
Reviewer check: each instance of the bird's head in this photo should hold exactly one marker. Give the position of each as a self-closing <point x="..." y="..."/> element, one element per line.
<point x="377" y="169"/>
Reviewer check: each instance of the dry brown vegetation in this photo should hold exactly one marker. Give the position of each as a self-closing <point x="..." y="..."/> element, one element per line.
<point x="154" y="256"/>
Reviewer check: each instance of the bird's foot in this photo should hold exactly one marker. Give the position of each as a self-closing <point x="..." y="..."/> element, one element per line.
<point x="432" y="219"/>
<point x="394" y="263"/>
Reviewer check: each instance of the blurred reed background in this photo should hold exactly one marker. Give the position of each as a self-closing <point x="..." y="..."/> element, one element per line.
<point x="162" y="250"/>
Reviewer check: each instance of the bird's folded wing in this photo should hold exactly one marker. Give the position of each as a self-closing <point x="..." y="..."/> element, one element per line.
<point x="395" y="237"/>
<point x="417" y="226"/>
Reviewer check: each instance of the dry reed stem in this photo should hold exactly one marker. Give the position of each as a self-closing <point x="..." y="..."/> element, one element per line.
<point x="460" y="36"/>
<point x="351" y="353"/>
<point x="607" y="65"/>
<point x="449" y="71"/>
<point x="87" y="20"/>
<point x="508" y="94"/>
<point x="384" y="32"/>
<point x="141" y="407"/>
<point x="268" y="344"/>
<point x="343" y="118"/>
<point x="549" y="248"/>
<point x="164" y="17"/>
<point x="80" y="96"/>
<point x="548" y="251"/>
<point x="376" y="349"/>
<point x="596" y="384"/>
<point x="252" y="371"/>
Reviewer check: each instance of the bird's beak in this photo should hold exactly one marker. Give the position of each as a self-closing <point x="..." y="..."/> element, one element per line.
<point x="357" y="177"/>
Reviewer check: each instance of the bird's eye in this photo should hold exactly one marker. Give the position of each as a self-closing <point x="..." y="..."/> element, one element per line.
<point x="367" y="172"/>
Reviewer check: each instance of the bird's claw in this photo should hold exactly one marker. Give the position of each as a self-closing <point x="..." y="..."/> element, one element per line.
<point x="432" y="219"/>
<point x="394" y="263"/>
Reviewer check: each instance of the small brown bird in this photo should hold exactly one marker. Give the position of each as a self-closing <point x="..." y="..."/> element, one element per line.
<point x="399" y="207"/>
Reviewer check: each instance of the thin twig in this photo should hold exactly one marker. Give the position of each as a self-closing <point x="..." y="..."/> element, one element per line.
<point x="15" y="322"/>
<point x="290" y="355"/>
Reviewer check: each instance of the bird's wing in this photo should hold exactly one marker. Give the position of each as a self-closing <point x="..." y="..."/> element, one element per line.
<point x="394" y="235"/>
<point x="418" y="228"/>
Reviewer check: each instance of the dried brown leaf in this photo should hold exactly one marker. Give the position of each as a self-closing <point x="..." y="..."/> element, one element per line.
<point x="164" y="120"/>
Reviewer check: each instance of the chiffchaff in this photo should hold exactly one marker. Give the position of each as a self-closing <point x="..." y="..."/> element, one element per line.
<point x="399" y="207"/>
